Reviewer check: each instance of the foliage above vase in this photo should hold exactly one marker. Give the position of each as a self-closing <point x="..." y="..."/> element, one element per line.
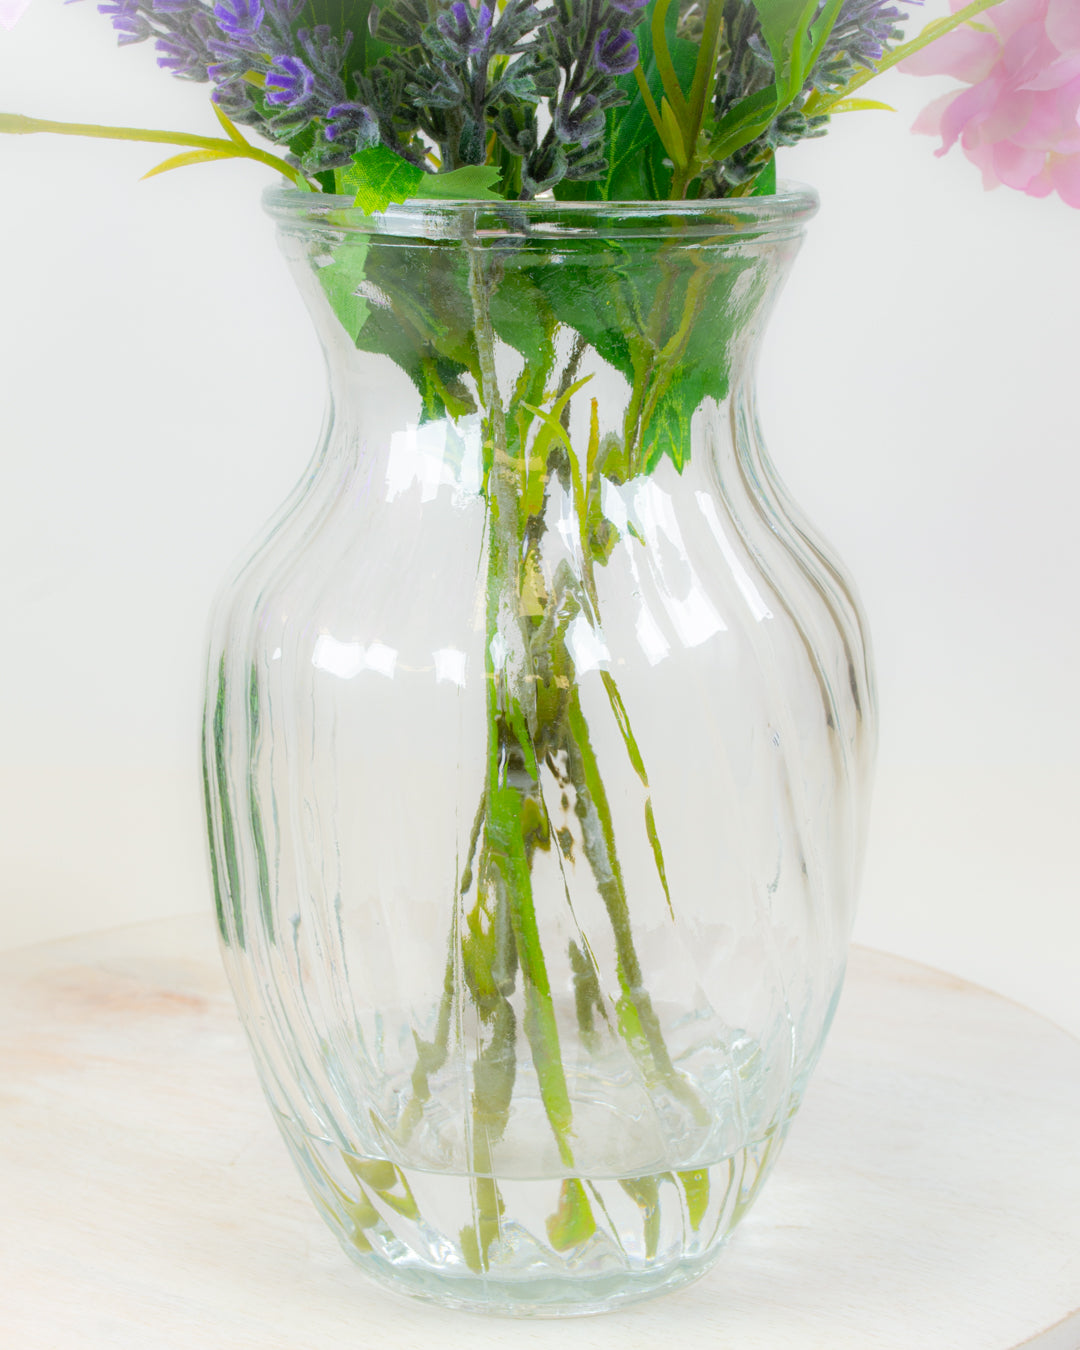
<point x="600" y="100"/>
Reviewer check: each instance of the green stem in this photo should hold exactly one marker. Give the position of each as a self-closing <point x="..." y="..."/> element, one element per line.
<point x="668" y="78"/>
<point x="638" y="1021"/>
<point x="15" y="124"/>
<point x="515" y="819"/>
<point x="701" y="92"/>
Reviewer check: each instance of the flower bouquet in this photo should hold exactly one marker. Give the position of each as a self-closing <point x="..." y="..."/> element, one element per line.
<point x="538" y="729"/>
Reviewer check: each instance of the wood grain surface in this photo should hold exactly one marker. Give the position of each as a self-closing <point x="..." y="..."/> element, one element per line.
<point x="928" y="1197"/>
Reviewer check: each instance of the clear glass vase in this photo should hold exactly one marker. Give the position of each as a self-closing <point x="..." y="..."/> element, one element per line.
<point x="537" y="748"/>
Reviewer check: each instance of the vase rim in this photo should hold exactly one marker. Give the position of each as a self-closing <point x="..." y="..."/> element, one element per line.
<point x="778" y="215"/>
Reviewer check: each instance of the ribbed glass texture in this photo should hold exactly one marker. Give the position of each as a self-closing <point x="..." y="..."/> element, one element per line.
<point x="537" y="743"/>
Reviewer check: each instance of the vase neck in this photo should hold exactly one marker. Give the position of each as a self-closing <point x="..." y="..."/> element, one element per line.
<point x="589" y="351"/>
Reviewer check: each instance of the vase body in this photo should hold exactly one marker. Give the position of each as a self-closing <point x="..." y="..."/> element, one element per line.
<point x="537" y="746"/>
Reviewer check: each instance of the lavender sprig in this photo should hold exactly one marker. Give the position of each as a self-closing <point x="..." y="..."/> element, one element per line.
<point x="591" y="45"/>
<point x="444" y="84"/>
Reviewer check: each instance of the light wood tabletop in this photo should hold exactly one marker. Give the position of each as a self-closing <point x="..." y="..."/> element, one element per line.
<point x="928" y="1197"/>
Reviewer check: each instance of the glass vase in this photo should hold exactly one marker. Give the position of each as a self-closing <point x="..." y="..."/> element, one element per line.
<point x="537" y="749"/>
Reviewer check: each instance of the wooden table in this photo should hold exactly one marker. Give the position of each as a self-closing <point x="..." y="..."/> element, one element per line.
<point x="928" y="1197"/>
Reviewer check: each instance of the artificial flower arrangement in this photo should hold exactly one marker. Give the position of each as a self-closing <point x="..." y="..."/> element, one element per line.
<point x="606" y="100"/>
<point x="506" y="112"/>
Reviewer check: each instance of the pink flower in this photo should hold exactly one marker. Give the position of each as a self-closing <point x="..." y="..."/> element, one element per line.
<point x="11" y="11"/>
<point x="1019" y="120"/>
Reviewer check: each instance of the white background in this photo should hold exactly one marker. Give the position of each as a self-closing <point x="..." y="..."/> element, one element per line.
<point x="161" y="390"/>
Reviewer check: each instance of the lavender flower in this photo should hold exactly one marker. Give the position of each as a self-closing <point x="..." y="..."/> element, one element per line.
<point x="581" y="124"/>
<point x="354" y="122"/>
<point x="482" y="38"/>
<point x="234" y="99"/>
<point x="863" y="29"/>
<point x="615" y="52"/>
<point x="126" y="20"/>
<point x="289" y="82"/>
<point x="182" y="58"/>
<point x="238" y="18"/>
<point x="455" y="24"/>
<point x="325" y="52"/>
<point x="282" y="13"/>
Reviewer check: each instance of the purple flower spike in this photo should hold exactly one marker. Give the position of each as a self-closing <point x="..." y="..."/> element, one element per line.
<point x="284" y="11"/>
<point x="583" y="123"/>
<point x="352" y="120"/>
<point x="630" y="6"/>
<point x="126" y="20"/>
<point x="616" y="51"/>
<point x="238" y="18"/>
<point x="181" y="57"/>
<point x="456" y="23"/>
<point x="288" y="82"/>
<point x="483" y="31"/>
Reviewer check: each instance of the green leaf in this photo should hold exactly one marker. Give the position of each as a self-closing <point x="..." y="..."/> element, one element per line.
<point x="381" y="177"/>
<point x="785" y="24"/>
<point x="696" y="1188"/>
<point x="420" y="318"/>
<point x="189" y="157"/>
<point x="231" y="130"/>
<point x="379" y="1173"/>
<point x="378" y="177"/>
<point x="693" y="362"/>
<point x="341" y="281"/>
<point x="573" y="1222"/>
<point x="796" y="34"/>
<point x="588" y="292"/>
<point x="765" y="183"/>
<point x="744" y="122"/>
<point x="553" y="429"/>
<point x="860" y="105"/>
<point x="667" y="329"/>
<point x="520" y="315"/>
<point x="473" y="182"/>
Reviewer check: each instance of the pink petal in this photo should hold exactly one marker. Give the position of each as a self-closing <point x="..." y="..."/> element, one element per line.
<point x="964" y="53"/>
<point x="1063" y="26"/>
<point x="1027" y="53"/>
<point x="983" y="156"/>
<point x="1016" y="166"/>
<point x="1065" y="175"/>
<point x="11" y="11"/>
<point x="1012" y="15"/>
<point x="928" y="122"/>
<point x="1010" y="115"/>
<point x="1050" y="124"/>
<point x="1040" y="185"/>
<point x="970" y="105"/>
<point x="1062" y="71"/>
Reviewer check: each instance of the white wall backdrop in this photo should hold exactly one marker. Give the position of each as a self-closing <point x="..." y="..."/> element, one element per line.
<point x="161" y="390"/>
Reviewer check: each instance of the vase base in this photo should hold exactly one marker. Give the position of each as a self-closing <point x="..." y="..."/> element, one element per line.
<point x="531" y="1247"/>
<point x="550" y="1297"/>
